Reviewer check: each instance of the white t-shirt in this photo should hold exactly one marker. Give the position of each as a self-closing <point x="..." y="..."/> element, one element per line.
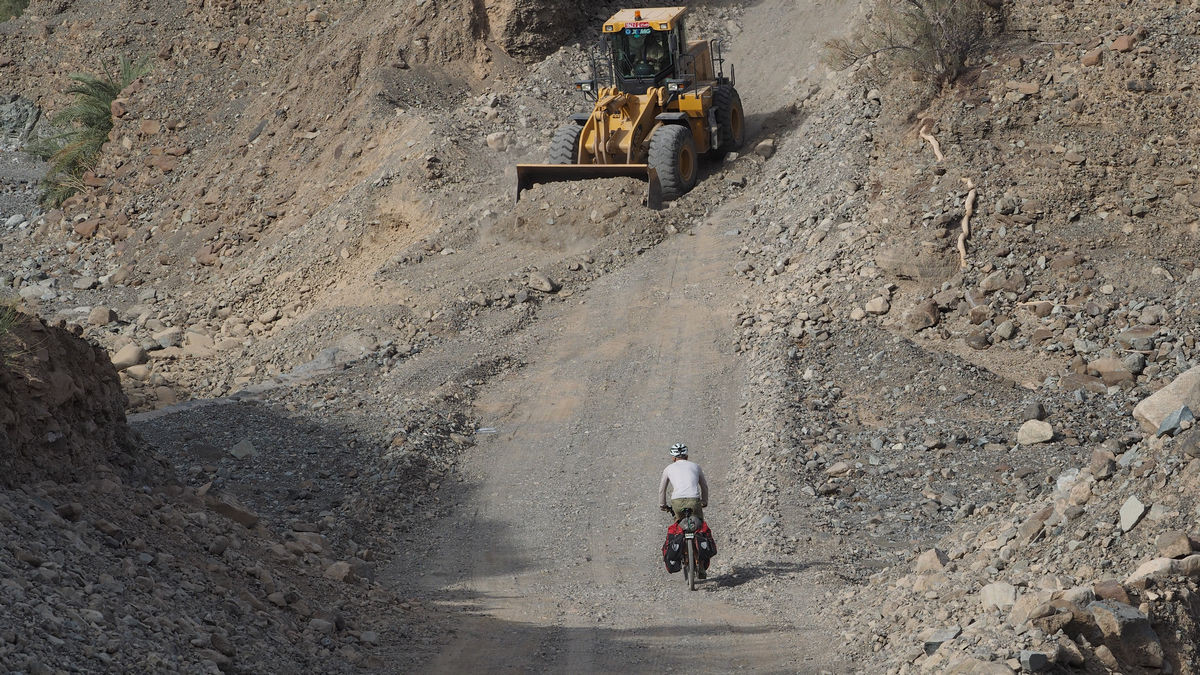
<point x="686" y="479"/>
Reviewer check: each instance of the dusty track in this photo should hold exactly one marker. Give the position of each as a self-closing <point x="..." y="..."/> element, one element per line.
<point x="561" y="504"/>
<point x="558" y="506"/>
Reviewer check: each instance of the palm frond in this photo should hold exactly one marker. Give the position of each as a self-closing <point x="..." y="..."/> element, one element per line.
<point x="83" y="127"/>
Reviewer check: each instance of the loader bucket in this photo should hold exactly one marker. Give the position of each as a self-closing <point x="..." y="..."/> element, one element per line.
<point x="529" y="175"/>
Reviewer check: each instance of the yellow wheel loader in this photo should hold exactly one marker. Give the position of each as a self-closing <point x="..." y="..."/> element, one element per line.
<point x="660" y="102"/>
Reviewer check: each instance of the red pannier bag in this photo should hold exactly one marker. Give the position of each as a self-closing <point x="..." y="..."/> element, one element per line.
<point x="706" y="545"/>
<point x="672" y="550"/>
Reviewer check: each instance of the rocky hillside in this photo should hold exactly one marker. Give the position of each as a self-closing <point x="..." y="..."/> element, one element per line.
<point x="110" y="564"/>
<point x="989" y="399"/>
<point x="968" y="336"/>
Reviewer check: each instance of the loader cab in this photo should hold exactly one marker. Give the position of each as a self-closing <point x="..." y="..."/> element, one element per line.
<point x="644" y="46"/>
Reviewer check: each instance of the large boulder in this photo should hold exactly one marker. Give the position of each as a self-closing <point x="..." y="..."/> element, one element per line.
<point x="1183" y="391"/>
<point x="1127" y="633"/>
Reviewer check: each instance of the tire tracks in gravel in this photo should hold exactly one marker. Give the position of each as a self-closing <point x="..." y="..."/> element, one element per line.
<point x="561" y="499"/>
<point x="551" y="560"/>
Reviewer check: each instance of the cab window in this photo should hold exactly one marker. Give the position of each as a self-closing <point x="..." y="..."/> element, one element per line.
<point x="641" y="53"/>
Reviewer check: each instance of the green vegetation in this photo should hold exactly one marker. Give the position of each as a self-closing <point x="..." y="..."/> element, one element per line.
<point x="931" y="39"/>
<point x="82" y="128"/>
<point x="10" y="9"/>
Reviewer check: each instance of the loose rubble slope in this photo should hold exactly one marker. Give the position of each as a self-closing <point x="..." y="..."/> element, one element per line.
<point x="983" y="417"/>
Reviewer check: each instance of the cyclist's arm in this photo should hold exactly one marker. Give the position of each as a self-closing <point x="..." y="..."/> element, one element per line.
<point x="662" y="489"/>
<point x="703" y="488"/>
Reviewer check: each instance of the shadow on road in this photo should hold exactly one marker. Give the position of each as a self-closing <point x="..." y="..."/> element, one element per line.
<point x="342" y="478"/>
<point x="741" y="574"/>
<point x="509" y="646"/>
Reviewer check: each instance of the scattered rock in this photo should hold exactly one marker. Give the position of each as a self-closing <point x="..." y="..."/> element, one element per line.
<point x="1034" y="662"/>
<point x="1131" y="513"/>
<point x="998" y="595"/>
<point x="1175" y="422"/>
<point x="1183" y="391"/>
<point x="129" y="355"/>
<point x="243" y="449"/>
<point x="1173" y="544"/>
<point x="1127" y="631"/>
<point x="231" y="508"/>
<point x="932" y="560"/>
<point x="1123" y="44"/>
<point x="541" y="282"/>
<point x="941" y="637"/>
<point x="101" y="316"/>
<point x="498" y="141"/>
<point x="838" y="469"/>
<point x="1034" y="411"/>
<point x="924" y="315"/>
<point x="877" y="305"/>
<point x="339" y="571"/>
<point x="1035" y="431"/>
<point x="977" y="341"/>
<point x="321" y="626"/>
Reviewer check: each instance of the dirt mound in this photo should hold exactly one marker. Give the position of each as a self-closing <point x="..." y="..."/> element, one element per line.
<point x="62" y="411"/>
<point x="567" y="215"/>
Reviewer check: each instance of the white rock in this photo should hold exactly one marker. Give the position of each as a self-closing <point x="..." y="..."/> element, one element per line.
<point x="1035" y="431"/>
<point x="932" y="560"/>
<point x="999" y="595"/>
<point x="838" y="469"/>
<point x="878" y="305"/>
<point x="1131" y="512"/>
<point x="1183" y="391"/>
<point x="498" y="141"/>
<point x="1159" y="567"/>
<point x="129" y="355"/>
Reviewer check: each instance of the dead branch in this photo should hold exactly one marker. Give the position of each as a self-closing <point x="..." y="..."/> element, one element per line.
<point x="933" y="142"/>
<point x="966" y="223"/>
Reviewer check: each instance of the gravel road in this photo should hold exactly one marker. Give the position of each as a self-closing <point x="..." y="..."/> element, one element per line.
<point x="553" y="546"/>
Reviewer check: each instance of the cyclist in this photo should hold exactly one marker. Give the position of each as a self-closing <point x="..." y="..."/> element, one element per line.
<point x="689" y="489"/>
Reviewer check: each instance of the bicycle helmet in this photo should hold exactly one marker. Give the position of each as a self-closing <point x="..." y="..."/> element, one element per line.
<point x="679" y="450"/>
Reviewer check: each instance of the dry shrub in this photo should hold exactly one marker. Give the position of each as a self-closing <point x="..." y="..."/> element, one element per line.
<point x="10" y="9"/>
<point x="9" y="318"/>
<point x="931" y="39"/>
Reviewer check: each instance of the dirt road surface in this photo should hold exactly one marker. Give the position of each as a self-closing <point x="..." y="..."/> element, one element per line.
<point x="554" y="549"/>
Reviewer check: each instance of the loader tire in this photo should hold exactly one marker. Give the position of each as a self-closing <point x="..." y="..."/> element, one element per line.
<point x="565" y="144"/>
<point x="731" y="122"/>
<point x="673" y="155"/>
